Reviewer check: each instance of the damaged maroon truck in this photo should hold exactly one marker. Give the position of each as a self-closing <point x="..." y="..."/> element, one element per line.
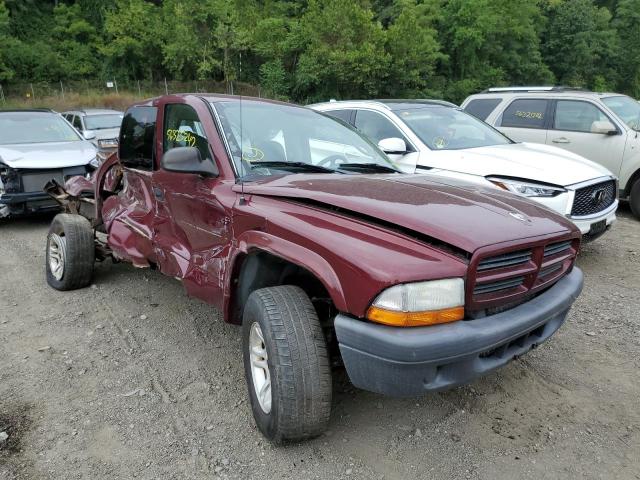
<point x="299" y="229"/>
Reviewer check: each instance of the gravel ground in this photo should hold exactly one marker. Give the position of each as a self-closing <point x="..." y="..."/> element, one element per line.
<point x="130" y="378"/>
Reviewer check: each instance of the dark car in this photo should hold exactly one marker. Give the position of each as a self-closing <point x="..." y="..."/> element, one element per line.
<point x="299" y="229"/>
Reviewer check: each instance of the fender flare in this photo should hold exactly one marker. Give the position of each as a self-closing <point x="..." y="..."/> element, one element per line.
<point x="253" y="240"/>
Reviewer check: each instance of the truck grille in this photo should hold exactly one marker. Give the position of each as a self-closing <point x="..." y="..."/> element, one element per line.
<point x="512" y="277"/>
<point x="594" y="198"/>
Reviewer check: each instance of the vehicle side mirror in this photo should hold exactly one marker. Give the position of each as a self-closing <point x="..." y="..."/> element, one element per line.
<point x="603" y="126"/>
<point x="188" y="160"/>
<point x="89" y="134"/>
<point x="393" y="146"/>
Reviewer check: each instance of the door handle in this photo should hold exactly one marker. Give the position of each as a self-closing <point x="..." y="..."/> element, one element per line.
<point x="561" y="140"/>
<point x="158" y="193"/>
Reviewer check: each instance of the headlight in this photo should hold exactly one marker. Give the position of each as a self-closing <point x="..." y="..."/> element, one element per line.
<point x="419" y="304"/>
<point x="95" y="163"/>
<point x="108" y="143"/>
<point x="525" y="188"/>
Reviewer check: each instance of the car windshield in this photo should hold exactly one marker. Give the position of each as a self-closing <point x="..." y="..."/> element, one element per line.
<point x="626" y="108"/>
<point x="279" y="139"/>
<point x="35" y="127"/>
<point x="445" y="128"/>
<point x="101" y="122"/>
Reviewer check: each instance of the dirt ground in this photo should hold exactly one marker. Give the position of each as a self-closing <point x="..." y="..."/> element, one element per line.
<point x="132" y="379"/>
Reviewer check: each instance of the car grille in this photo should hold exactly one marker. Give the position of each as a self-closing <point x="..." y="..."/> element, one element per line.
<point x="35" y="180"/>
<point x="594" y="198"/>
<point x="509" y="278"/>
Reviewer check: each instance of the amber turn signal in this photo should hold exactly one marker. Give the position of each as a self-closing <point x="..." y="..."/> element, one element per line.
<point x="414" y="319"/>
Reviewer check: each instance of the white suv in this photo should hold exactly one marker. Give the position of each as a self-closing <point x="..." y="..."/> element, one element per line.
<point x="439" y="138"/>
<point x="603" y="127"/>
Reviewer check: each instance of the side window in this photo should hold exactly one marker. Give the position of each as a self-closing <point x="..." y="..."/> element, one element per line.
<point x="137" y="138"/>
<point x="525" y="113"/>
<point x="376" y="127"/>
<point x="77" y="123"/>
<point x="576" y="116"/>
<point x="344" y="115"/>
<point x="182" y="128"/>
<point x="482" y="107"/>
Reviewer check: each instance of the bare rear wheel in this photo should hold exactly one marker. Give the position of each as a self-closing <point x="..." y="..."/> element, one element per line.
<point x="70" y="252"/>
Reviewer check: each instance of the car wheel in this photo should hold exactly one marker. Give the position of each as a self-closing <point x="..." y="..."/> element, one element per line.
<point x="286" y="364"/>
<point x="634" y="198"/>
<point x="70" y="252"/>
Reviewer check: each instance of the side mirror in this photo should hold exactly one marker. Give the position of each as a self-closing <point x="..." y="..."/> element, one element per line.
<point x="89" y="134"/>
<point x="603" y="126"/>
<point x="393" y="146"/>
<point x="188" y="160"/>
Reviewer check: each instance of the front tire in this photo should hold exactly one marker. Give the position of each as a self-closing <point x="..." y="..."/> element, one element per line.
<point x="70" y="252"/>
<point x="286" y="364"/>
<point x="634" y="199"/>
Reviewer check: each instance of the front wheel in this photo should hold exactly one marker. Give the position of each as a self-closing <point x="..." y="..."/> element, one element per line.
<point x="286" y="364"/>
<point x="70" y="252"/>
<point x="634" y="198"/>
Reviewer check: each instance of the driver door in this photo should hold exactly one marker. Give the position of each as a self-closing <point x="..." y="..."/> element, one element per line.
<point x="192" y="228"/>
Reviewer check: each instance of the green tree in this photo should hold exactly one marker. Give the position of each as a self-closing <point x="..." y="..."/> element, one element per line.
<point x="580" y="44"/>
<point x="75" y="42"/>
<point x="6" y="72"/>
<point x="343" y="53"/>
<point x="414" y="50"/>
<point x="492" y="42"/>
<point x="133" y="45"/>
<point x="627" y="25"/>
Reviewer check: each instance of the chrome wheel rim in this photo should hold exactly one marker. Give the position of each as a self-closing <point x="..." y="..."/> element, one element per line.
<point x="57" y="246"/>
<point x="260" y="368"/>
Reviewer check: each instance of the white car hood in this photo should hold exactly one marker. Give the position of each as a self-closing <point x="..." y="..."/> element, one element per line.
<point x="530" y="161"/>
<point x="47" y="155"/>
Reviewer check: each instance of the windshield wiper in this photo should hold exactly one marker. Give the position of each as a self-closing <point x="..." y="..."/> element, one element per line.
<point x="309" y="167"/>
<point x="372" y="167"/>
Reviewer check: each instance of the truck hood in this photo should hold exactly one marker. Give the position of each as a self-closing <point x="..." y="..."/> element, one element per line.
<point x="47" y="155"/>
<point x="460" y="214"/>
<point x="530" y="161"/>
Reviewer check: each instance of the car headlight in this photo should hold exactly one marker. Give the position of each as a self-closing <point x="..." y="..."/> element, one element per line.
<point x="419" y="303"/>
<point x="108" y="143"/>
<point x="95" y="163"/>
<point x="526" y="189"/>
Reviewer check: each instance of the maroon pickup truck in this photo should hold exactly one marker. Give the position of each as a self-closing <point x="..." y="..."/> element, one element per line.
<point x="299" y="229"/>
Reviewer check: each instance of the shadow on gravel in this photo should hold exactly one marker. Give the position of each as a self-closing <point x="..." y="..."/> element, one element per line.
<point x="14" y="422"/>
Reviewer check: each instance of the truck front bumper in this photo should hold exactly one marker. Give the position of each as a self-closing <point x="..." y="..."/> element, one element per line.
<point x="404" y="362"/>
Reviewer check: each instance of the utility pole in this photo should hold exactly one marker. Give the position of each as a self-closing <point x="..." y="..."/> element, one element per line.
<point x="33" y="93"/>
<point x="62" y="89"/>
<point x="166" y="88"/>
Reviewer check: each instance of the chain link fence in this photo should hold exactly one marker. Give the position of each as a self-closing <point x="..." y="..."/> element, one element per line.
<point x="67" y="93"/>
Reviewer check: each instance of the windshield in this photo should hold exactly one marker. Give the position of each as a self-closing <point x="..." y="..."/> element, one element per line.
<point x="101" y="122"/>
<point x="279" y="139"/>
<point x="35" y="127"/>
<point x="626" y="108"/>
<point x="446" y="128"/>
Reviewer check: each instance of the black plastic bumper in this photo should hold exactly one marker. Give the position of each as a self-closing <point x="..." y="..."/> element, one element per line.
<point x="22" y="203"/>
<point x="410" y="361"/>
<point x="24" y="197"/>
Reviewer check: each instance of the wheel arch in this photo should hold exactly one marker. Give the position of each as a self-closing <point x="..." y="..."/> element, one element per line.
<point x="262" y="260"/>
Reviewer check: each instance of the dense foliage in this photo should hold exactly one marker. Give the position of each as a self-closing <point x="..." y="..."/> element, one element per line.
<point x="308" y="50"/>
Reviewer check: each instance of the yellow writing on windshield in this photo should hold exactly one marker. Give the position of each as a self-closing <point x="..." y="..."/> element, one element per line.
<point x="181" y="136"/>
